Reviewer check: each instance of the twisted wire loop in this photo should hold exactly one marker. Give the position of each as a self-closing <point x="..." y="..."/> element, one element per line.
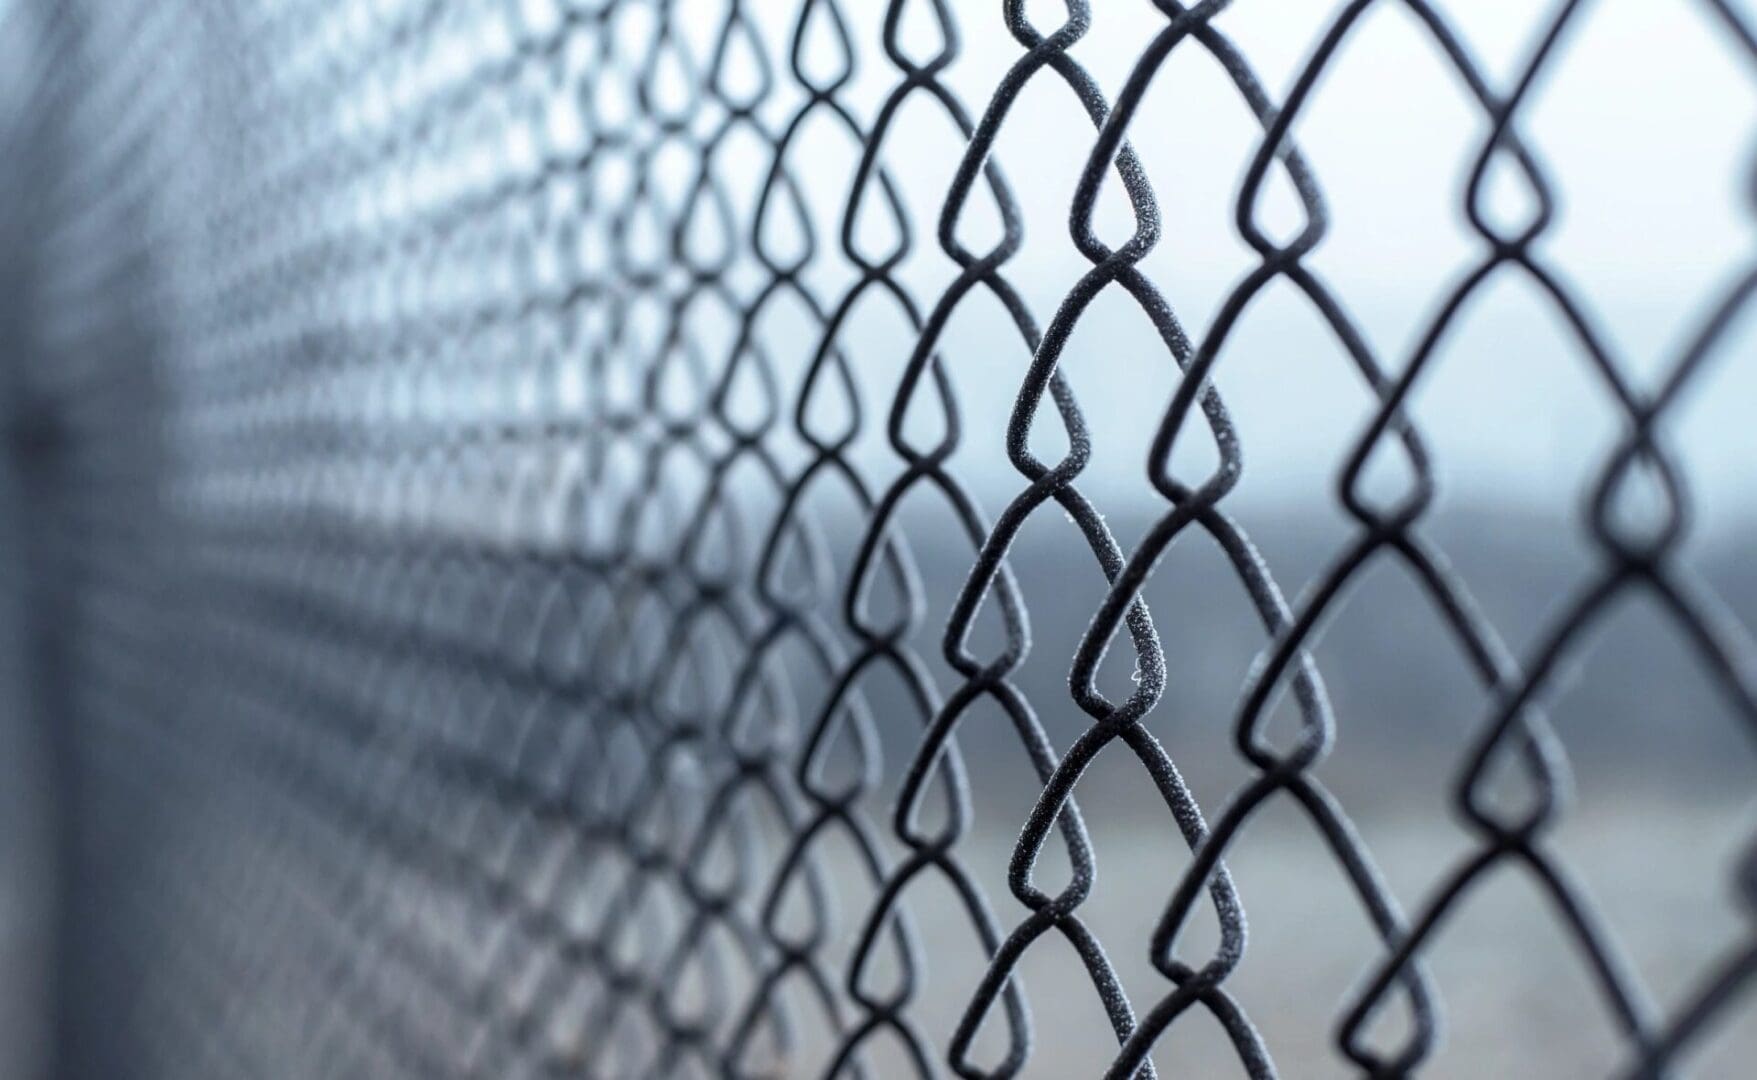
<point x="499" y="621"/>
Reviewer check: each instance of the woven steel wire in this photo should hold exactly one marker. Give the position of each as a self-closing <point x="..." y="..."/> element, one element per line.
<point x="460" y="680"/>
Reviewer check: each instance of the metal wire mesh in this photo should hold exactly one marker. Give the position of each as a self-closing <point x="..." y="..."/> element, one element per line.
<point x="437" y="404"/>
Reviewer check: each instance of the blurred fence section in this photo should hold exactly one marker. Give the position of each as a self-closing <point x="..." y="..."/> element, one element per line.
<point x="686" y="538"/>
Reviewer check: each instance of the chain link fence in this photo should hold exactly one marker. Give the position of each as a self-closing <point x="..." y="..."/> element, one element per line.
<point x="516" y="586"/>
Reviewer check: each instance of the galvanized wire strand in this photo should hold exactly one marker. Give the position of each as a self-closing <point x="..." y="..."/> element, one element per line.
<point x="494" y="598"/>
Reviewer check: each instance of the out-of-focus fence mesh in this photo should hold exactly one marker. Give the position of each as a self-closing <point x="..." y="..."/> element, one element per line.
<point x="434" y="409"/>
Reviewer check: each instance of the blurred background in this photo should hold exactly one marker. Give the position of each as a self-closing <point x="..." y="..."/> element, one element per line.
<point x="443" y="438"/>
